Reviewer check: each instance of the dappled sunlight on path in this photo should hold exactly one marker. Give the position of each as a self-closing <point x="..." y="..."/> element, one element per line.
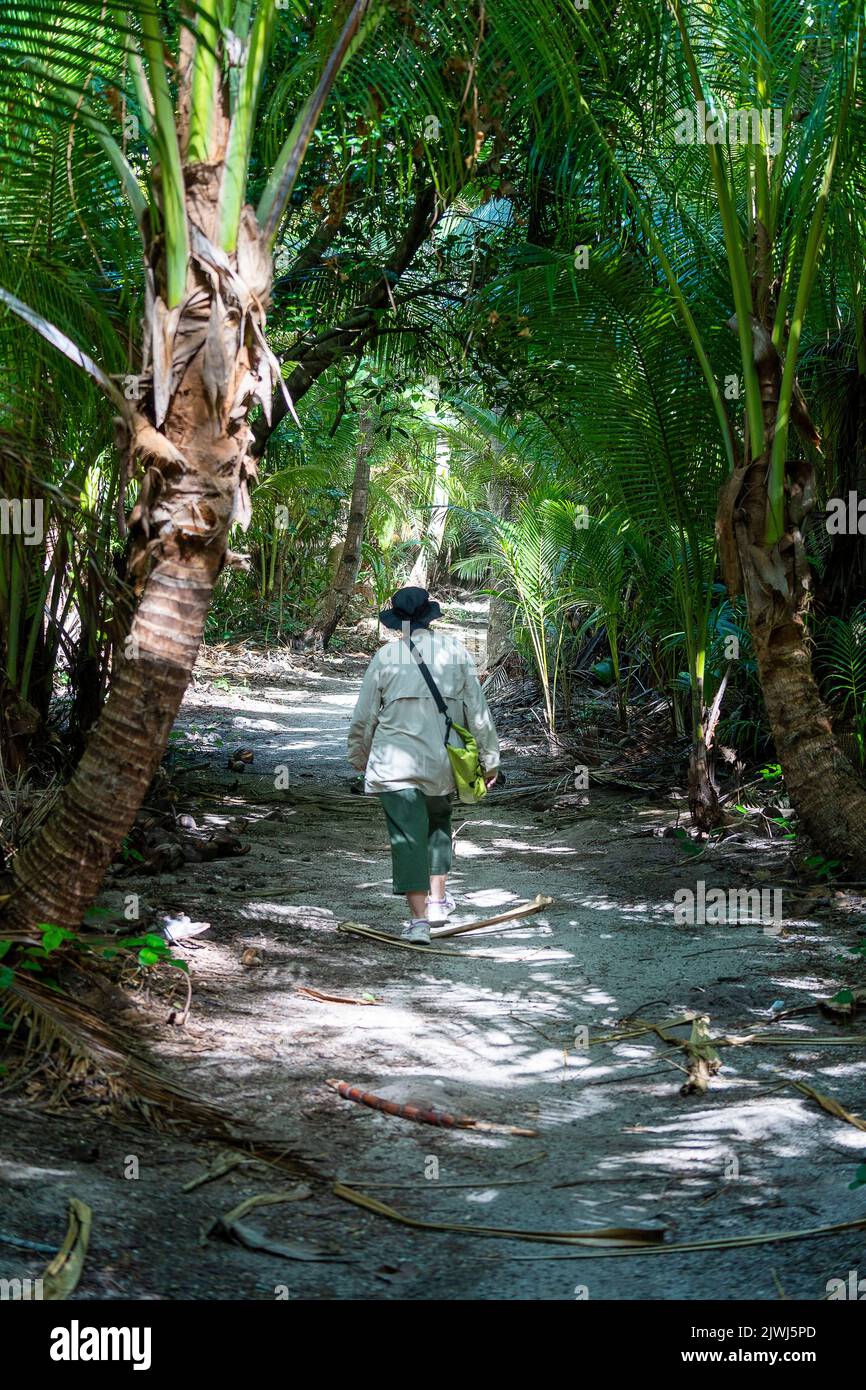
<point x="503" y="1026"/>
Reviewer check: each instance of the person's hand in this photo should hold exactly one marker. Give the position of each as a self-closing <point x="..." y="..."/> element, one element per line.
<point x="490" y="778"/>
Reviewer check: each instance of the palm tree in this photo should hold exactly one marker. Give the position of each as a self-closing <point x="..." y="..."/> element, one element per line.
<point x="207" y="262"/>
<point x="532" y="555"/>
<point x="610" y="408"/>
<point x="748" y="153"/>
<point x="168" y="95"/>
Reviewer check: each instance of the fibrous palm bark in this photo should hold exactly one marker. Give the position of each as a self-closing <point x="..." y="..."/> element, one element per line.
<point x="339" y="593"/>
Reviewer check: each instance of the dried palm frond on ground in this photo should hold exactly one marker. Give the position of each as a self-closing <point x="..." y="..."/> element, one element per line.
<point x="64" y="1053"/>
<point x="617" y="1238"/>
<point x="73" y="1050"/>
<point x="61" y="1277"/>
<point x="831" y="1106"/>
<point x="232" y="1227"/>
<point x="608" y="1242"/>
<point x="704" y="1061"/>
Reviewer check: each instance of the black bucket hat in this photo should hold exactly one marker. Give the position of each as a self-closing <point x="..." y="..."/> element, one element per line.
<point x="412" y="606"/>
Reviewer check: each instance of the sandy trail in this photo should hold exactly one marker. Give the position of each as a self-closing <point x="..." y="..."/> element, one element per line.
<point x="494" y="1032"/>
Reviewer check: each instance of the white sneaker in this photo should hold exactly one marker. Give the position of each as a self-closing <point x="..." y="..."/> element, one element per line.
<point x="440" y="911"/>
<point x="417" y="930"/>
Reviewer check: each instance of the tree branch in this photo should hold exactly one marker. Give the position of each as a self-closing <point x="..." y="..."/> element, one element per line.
<point x="355" y="331"/>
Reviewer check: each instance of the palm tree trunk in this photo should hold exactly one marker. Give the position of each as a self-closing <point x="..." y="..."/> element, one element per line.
<point x="194" y="485"/>
<point x="499" y="622"/>
<point x="823" y="786"/>
<point x="829" y="798"/>
<point x="703" y="793"/>
<point x="432" y="542"/>
<point x="58" y="873"/>
<point x="339" y="594"/>
<point x="500" y="614"/>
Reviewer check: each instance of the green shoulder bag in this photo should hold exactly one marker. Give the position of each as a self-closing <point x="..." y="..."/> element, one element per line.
<point x="465" y="762"/>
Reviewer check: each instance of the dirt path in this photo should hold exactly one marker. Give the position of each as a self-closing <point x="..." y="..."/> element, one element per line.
<point x="494" y="1032"/>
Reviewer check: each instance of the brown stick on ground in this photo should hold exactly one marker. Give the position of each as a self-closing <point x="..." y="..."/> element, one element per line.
<point x="526" y="910"/>
<point x="319" y="994"/>
<point x="425" y="1117"/>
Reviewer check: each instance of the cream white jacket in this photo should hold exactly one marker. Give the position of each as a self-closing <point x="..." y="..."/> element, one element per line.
<point x="397" y="735"/>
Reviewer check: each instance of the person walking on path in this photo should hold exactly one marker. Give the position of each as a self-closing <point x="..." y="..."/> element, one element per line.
<point x="397" y="739"/>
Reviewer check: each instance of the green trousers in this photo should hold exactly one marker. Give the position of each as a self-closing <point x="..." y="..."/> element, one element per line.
<point x="419" y="828"/>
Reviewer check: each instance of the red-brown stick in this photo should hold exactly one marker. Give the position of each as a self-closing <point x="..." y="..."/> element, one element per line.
<point x="414" y="1112"/>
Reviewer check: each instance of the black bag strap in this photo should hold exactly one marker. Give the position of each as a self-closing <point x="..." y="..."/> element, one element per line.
<point x="432" y="687"/>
